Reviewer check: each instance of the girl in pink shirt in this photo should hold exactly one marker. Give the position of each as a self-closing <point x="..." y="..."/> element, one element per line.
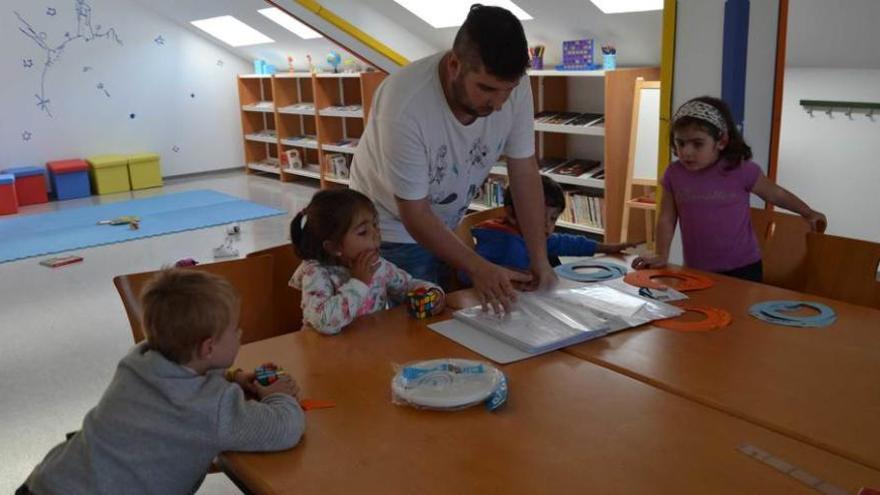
<point x="342" y="275"/>
<point x="708" y="189"/>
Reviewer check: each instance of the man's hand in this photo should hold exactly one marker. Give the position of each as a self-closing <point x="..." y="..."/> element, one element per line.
<point x="495" y="286"/>
<point x="543" y="276"/>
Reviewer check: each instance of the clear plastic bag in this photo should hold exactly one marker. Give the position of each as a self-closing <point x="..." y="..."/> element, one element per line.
<point x="448" y="384"/>
<point x="538" y="322"/>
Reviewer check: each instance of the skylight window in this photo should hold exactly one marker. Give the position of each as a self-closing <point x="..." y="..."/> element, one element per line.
<point x="622" y="6"/>
<point x="231" y="31"/>
<point x="289" y="23"/>
<point x="450" y="13"/>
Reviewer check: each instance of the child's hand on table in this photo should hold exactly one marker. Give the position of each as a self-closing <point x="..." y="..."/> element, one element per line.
<point x="615" y="248"/>
<point x="284" y="385"/>
<point x="643" y="262"/>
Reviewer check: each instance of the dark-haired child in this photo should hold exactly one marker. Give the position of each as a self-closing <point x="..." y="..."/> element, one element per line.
<point x="708" y="190"/>
<point x="501" y="242"/>
<point x="342" y="275"/>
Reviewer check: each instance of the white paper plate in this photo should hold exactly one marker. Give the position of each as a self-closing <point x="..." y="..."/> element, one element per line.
<point x="446" y="388"/>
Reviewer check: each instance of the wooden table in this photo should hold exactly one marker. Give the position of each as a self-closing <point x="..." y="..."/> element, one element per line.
<point x="569" y="427"/>
<point x="818" y="385"/>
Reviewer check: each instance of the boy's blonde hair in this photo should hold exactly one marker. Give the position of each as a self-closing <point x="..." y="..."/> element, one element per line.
<point x="182" y="308"/>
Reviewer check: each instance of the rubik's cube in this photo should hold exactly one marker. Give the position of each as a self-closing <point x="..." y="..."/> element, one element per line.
<point x="268" y="373"/>
<point x="422" y="302"/>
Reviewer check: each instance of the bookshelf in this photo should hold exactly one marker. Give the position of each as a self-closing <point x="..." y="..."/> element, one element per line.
<point x="321" y="116"/>
<point x="595" y="203"/>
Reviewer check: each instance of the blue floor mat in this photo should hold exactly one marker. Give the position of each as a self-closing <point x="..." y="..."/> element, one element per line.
<point x="77" y="228"/>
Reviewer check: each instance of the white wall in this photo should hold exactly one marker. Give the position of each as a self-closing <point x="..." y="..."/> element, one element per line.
<point x="833" y="33"/>
<point x="833" y="163"/>
<point x="182" y="93"/>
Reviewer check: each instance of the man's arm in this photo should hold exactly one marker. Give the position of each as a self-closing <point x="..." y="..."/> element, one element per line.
<point x="493" y="283"/>
<point x="528" y="198"/>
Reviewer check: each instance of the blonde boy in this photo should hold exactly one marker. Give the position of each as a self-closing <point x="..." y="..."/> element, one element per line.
<point x="170" y="409"/>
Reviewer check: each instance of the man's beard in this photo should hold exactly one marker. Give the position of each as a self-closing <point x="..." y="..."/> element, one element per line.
<point x="459" y="95"/>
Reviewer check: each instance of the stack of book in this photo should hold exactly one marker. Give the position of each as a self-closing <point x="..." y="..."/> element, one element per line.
<point x="583" y="209"/>
<point x="569" y="118"/>
<point x="337" y="165"/>
<point x="298" y="107"/>
<point x="492" y="193"/>
<point x="574" y="167"/>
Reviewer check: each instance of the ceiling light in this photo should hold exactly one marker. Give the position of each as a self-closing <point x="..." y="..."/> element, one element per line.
<point x="450" y="13"/>
<point x="290" y="23"/>
<point x="621" y="6"/>
<point x="231" y="31"/>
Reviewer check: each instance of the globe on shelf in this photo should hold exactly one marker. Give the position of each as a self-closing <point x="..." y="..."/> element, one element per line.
<point x="334" y="59"/>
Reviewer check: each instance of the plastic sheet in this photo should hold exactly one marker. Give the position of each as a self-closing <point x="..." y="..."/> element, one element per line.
<point x="448" y="384"/>
<point x="540" y="322"/>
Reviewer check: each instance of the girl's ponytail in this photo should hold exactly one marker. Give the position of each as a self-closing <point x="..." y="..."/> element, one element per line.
<point x="297" y="232"/>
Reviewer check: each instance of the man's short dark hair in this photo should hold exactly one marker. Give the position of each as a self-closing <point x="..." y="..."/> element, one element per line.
<point x="554" y="196"/>
<point x="493" y="38"/>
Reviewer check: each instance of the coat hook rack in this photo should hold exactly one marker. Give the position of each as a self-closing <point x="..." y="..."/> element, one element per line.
<point x="847" y="107"/>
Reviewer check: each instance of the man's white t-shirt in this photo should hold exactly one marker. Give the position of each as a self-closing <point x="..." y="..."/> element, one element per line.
<point x="414" y="147"/>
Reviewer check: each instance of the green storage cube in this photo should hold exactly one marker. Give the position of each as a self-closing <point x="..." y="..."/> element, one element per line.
<point x="109" y="173"/>
<point x="144" y="171"/>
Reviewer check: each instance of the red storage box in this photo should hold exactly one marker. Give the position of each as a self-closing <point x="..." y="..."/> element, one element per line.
<point x="30" y="184"/>
<point x="8" y="200"/>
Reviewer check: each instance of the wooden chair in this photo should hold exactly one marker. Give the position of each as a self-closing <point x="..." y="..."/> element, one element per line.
<point x="287" y="301"/>
<point x="469" y="221"/>
<point x="252" y="276"/>
<point x="782" y="238"/>
<point x="843" y="269"/>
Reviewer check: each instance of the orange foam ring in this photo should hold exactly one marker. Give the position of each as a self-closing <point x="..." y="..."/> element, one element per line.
<point x="715" y="318"/>
<point x="688" y="281"/>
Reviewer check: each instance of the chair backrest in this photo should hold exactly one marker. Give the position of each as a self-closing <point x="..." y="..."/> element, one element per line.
<point x="251" y="276"/>
<point x="287" y="300"/>
<point x="782" y="238"/>
<point x="470" y="220"/>
<point x="843" y="269"/>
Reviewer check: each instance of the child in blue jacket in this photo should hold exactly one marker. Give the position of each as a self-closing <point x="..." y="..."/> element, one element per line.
<point x="501" y="242"/>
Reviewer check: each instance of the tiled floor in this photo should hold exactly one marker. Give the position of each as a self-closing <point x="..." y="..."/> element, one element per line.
<point x="63" y="330"/>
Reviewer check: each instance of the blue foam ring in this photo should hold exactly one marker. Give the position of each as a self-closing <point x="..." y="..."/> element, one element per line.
<point x="772" y="312"/>
<point x="607" y="271"/>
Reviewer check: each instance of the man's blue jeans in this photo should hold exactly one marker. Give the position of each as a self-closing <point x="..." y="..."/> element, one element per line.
<point x="417" y="261"/>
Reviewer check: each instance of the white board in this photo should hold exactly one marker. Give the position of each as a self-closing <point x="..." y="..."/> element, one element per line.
<point x="646" y="142"/>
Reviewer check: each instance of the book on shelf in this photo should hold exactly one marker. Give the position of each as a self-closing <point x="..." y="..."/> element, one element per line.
<point x="586" y="119"/>
<point x="303" y="106"/>
<point x="266" y="133"/>
<point x="337" y="165"/>
<point x="569" y="118"/>
<point x="491" y="194"/>
<point x="344" y="108"/>
<point x="575" y="167"/>
<point x="547" y="164"/>
<point x="583" y="209"/>
<point x="346" y="143"/>
<point x="261" y="105"/>
<point x="292" y="158"/>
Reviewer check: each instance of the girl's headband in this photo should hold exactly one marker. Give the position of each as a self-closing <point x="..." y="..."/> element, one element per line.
<point x="702" y="111"/>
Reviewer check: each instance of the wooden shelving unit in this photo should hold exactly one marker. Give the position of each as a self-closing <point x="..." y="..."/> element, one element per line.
<point x="605" y="92"/>
<point x="302" y="111"/>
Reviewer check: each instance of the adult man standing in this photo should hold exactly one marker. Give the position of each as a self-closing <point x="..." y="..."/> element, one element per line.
<point x="436" y="128"/>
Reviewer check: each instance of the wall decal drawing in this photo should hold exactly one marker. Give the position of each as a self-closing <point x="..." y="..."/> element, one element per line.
<point x="175" y="149"/>
<point x="51" y="11"/>
<point x="159" y="40"/>
<point x="219" y="63"/>
<point x="101" y="87"/>
<point x="28" y="63"/>
<point x="86" y="68"/>
<point x="84" y="31"/>
<point x="26" y="136"/>
<point x="131" y="116"/>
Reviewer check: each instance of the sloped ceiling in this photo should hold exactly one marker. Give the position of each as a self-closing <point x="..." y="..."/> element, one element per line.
<point x="636" y="35"/>
<point x="286" y="43"/>
<point x="834" y="34"/>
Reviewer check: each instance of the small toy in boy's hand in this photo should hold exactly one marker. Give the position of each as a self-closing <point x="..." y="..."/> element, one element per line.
<point x="61" y="261"/>
<point x="268" y="373"/>
<point x="422" y="302"/>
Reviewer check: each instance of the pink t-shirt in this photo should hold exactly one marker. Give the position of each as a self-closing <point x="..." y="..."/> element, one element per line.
<point x="713" y="210"/>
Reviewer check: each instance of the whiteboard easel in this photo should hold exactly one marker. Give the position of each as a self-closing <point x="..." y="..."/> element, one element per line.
<point x="644" y="143"/>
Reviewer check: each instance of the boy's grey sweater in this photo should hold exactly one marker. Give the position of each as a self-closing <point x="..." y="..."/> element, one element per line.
<point x="158" y="427"/>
